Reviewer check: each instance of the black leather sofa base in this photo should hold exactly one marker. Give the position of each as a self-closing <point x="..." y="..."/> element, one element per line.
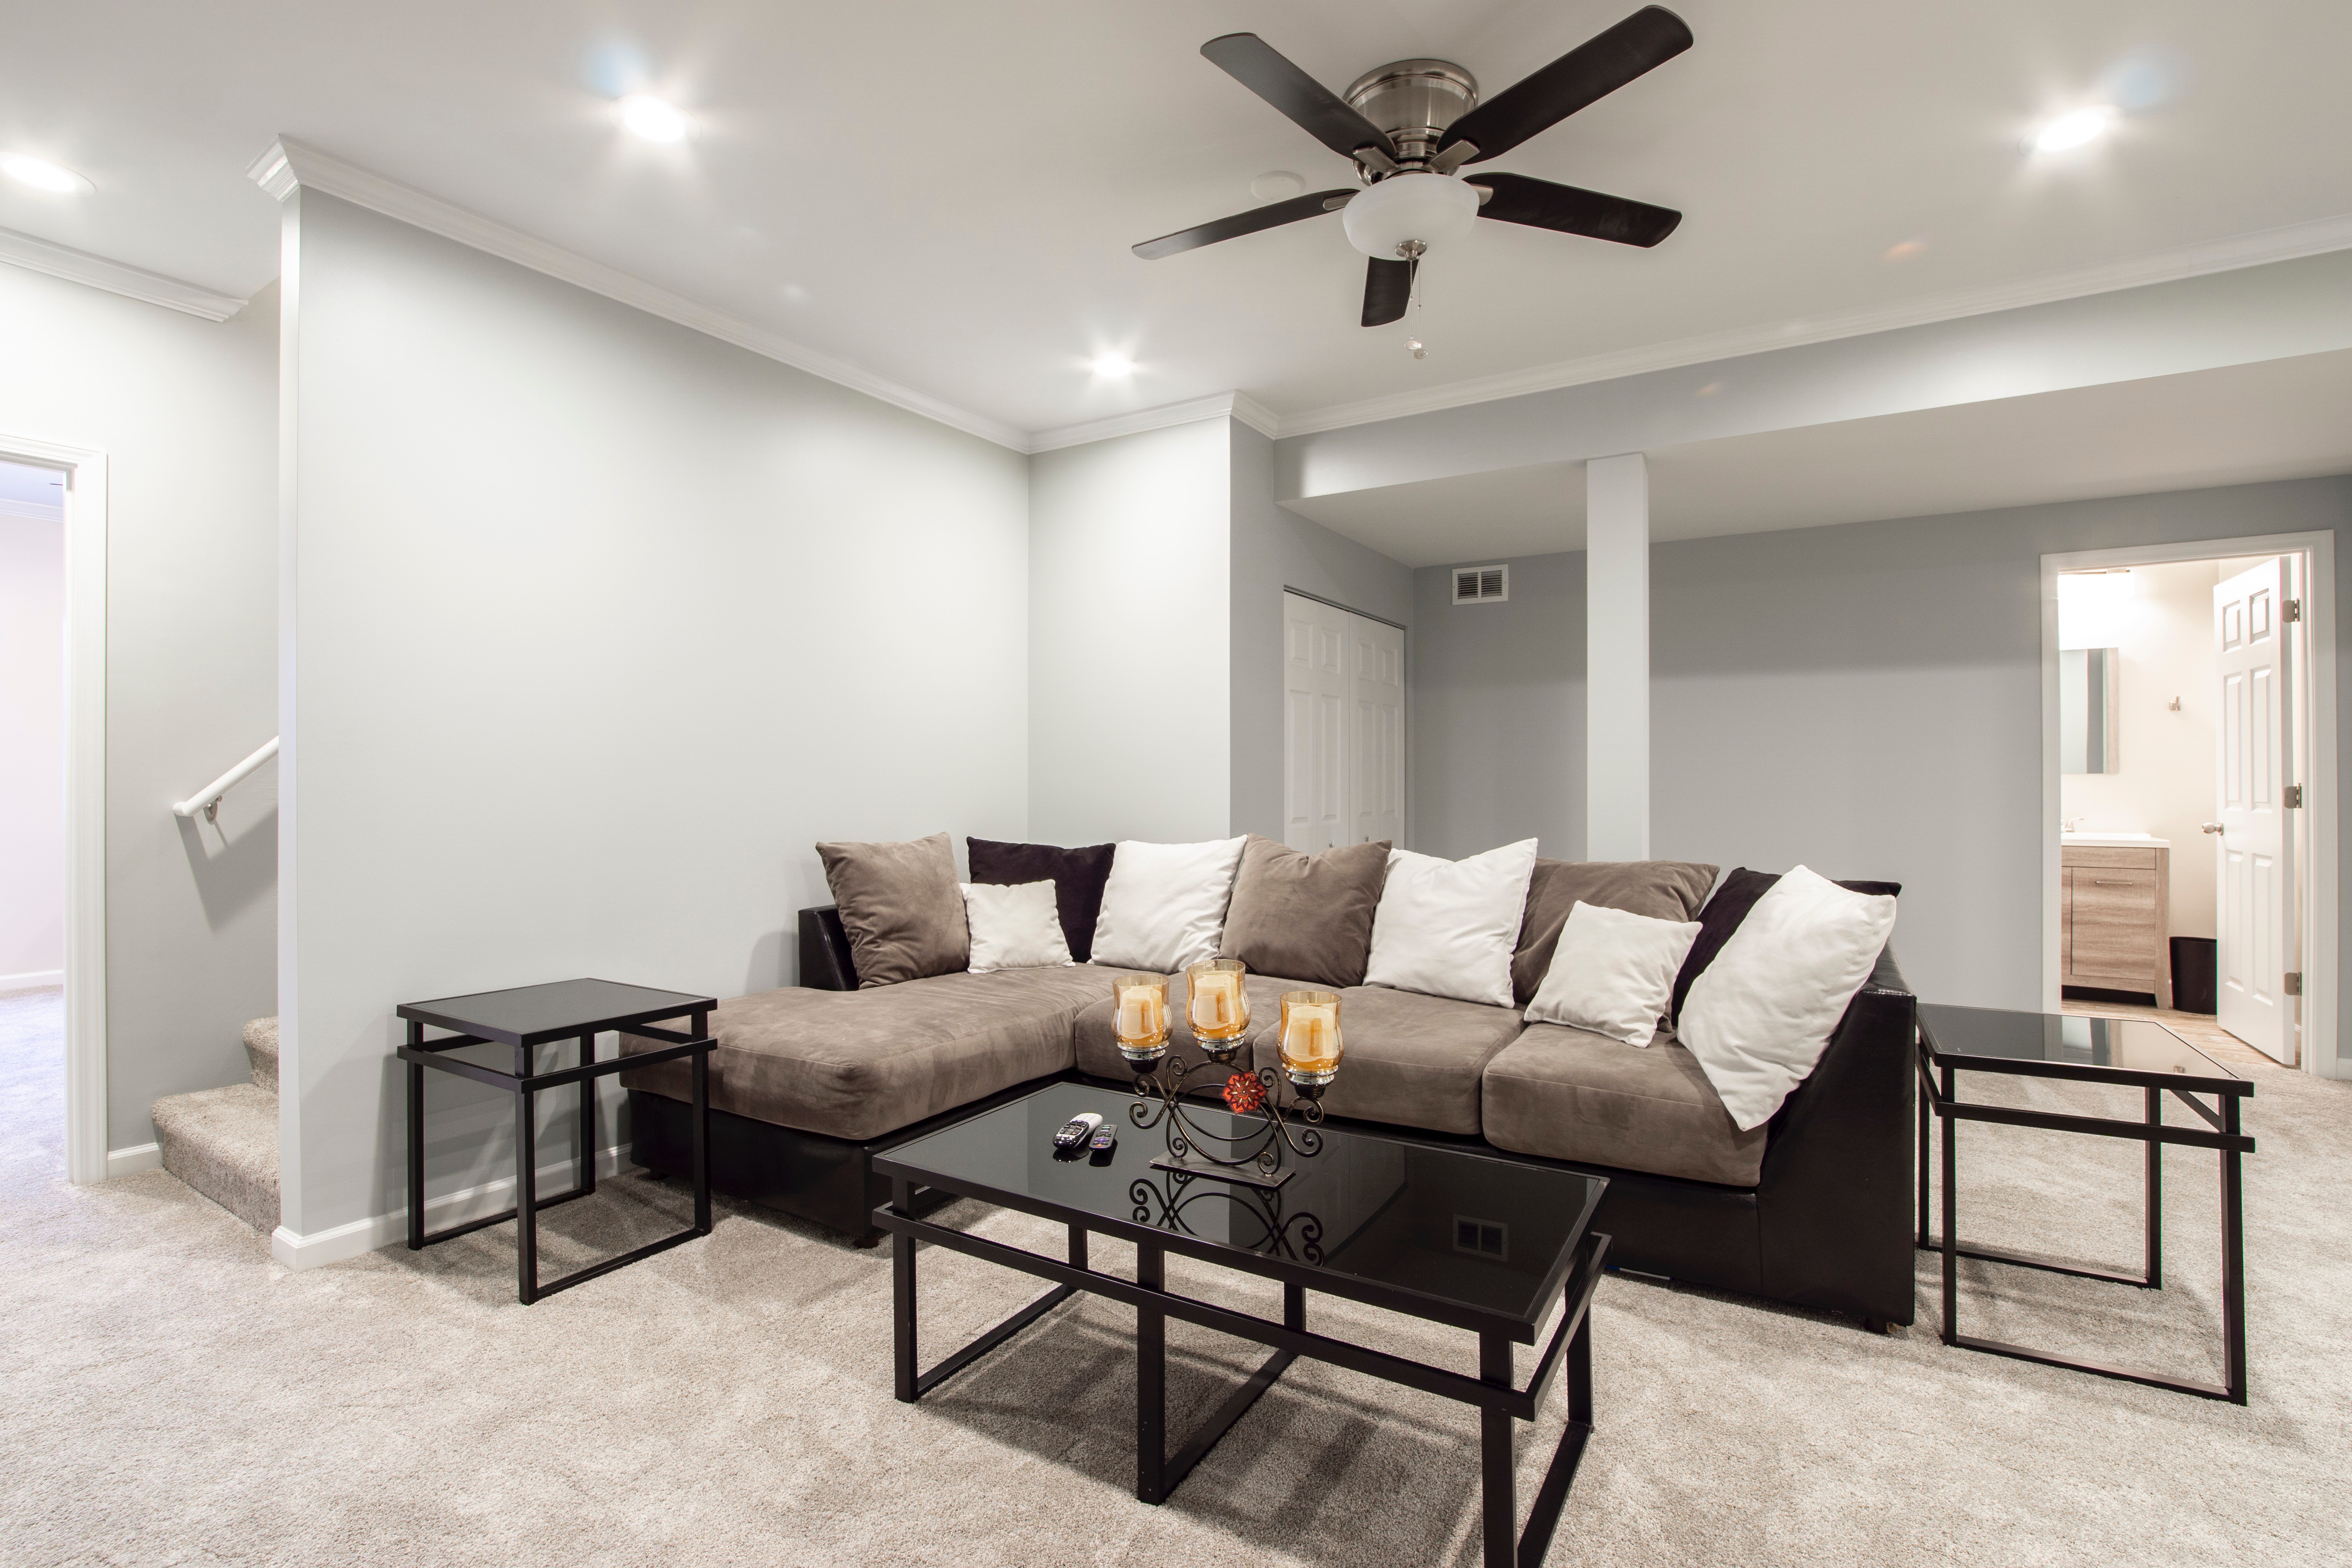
<point x="829" y="1180"/>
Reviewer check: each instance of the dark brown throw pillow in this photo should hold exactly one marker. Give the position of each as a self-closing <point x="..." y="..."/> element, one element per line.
<point x="1297" y="916"/>
<point x="900" y="907"/>
<point x="1662" y="890"/>
<point x="1077" y="875"/>
<point x="1729" y="908"/>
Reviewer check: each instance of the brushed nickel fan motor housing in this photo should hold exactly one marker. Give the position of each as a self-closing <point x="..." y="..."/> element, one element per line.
<point x="1414" y="101"/>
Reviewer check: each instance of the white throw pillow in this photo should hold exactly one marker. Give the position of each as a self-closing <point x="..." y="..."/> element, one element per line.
<point x="1449" y="927"/>
<point x="1164" y="905"/>
<point x="1612" y="972"/>
<point x="1015" y="927"/>
<point x="1758" y="1016"/>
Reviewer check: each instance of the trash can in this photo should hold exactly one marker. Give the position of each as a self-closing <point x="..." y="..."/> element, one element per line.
<point x="2195" y="959"/>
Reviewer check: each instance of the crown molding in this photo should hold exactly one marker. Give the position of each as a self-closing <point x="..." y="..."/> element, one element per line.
<point x="2255" y="250"/>
<point x="289" y="165"/>
<point x="114" y="276"/>
<point x="1233" y="404"/>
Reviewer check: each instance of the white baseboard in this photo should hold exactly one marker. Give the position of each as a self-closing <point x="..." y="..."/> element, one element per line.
<point x="346" y="1241"/>
<point x="32" y="980"/>
<point x="131" y="1161"/>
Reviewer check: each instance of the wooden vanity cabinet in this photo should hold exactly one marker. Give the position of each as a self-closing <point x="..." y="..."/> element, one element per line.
<point x="2115" y="907"/>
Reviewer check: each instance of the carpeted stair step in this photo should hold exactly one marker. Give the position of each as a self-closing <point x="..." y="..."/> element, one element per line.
<point x="224" y="1144"/>
<point x="261" y="1050"/>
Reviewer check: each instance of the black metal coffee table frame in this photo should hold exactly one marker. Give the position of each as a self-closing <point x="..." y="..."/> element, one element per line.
<point x="1158" y="1474"/>
<point x="1939" y="1097"/>
<point x="526" y="1085"/>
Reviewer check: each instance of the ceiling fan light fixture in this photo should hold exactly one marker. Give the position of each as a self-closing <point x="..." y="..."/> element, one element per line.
<point x="1407" y="210"/>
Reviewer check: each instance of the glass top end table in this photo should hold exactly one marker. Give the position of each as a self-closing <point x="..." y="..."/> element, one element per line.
<point x="2132" y="1053"/>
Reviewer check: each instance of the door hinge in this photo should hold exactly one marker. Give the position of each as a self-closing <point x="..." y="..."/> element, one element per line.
<point x="2292" y="799"/>
<point x="2291" y="982"/>
<point x="2293" y="611"/>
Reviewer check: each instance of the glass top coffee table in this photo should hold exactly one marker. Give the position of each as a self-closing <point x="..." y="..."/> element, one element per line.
<point x="2136" y="1053"/>
<point x="1449" y="1235"/>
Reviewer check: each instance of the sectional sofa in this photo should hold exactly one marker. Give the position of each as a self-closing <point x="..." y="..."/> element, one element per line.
<point x="1813" y="1208"/>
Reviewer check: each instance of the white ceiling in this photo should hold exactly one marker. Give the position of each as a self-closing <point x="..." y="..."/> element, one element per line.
<point x="944" y="193"/>
<point x="2279" y="419"/>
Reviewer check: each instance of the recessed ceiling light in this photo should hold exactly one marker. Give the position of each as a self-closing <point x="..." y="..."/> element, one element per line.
<point x="41" y="174"/>
<point x="652" y="119"/>
<point x="1112" y="366"/>
<point x="1277" y="185"/>
<point x="2071" y="130"/>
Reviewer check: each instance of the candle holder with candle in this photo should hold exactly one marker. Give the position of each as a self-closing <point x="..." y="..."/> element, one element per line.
<point x="1141" y="1017"/>
<point x="1217" y="1006"/>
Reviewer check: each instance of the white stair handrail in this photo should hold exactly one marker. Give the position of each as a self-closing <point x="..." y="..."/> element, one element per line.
<point x="208" y="799"/>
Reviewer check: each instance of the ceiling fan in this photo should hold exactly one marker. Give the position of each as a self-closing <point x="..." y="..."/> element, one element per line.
<point x="1411" y="124"/>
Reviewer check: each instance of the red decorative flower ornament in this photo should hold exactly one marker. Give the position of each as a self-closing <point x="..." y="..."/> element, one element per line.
<point x="1244" y="1092"/>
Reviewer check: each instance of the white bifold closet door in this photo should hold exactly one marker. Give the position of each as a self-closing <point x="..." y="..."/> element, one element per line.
<point x="1343" y="718"/>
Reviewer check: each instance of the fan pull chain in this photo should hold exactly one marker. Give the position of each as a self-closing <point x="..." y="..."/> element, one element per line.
<point x="1420" y="317"/>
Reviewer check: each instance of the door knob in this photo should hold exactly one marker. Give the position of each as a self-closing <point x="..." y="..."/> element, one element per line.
<point x="2213" y="828"/>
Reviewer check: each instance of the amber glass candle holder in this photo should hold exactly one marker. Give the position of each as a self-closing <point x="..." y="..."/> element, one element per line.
<point x="1139" y="1013"/>
<point x="1217" y="1005"/>
<point x="1311" y="1047"/>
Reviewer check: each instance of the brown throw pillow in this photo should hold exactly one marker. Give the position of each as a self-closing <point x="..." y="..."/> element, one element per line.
<point x="1297" y="916"/>
<point x="1662" y="890"/>
<point x="900" y="907"/>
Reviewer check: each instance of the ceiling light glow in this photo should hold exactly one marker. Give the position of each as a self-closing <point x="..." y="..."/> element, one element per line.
<point x="2071" y="130"/>
<point x="652" y="119"/>
<point x="40" y="174"/>
<point x="1112" y="366"/>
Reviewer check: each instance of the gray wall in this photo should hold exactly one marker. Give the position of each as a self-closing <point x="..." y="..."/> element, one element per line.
<point x="1863" y="698"/>
<point x="599" y="625"/>
<point x="1498" y="713"/>
<point x="184" y="410"/>
<point x="1128" y="553"/>
<point x="1274" y="550"/>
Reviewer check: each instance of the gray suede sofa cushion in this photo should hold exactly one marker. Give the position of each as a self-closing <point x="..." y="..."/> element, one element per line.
<point x="1662" y="890"/>
<point x="900" y="909"/>
<point x="1568" y="1094"/>
<point x="1097" y="1032"/>
<point x="1308" y="915"/>
<point x="1411" y="1061"/>
<point x="857" y="1064"/>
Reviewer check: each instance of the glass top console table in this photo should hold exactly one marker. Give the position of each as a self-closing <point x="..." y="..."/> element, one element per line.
<point x="2134" y="1053"/>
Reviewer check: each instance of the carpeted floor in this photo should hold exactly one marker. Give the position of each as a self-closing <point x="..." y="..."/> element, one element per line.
<point x="168" y="1395"/>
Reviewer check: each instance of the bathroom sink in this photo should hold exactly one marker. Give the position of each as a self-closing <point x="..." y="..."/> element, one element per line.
<point x="2094" y="840"/>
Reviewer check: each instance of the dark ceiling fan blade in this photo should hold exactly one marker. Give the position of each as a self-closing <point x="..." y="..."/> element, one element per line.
<point x="1314" y="108"/>
<point x="1593" y="70"/>
<point x="1540" y="203"/>
<point x="1240" y="224"/>
<point x="1388" y="290"/>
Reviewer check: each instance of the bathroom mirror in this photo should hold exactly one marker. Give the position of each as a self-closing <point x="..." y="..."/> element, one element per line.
<point x="2086" y="710"/>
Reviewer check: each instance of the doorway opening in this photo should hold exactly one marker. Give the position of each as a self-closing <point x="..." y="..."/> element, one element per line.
<point x="31" y="728"/>
<point x="1343" y="704"/>
<point x="63" y="489"/>
<point x="2188" y="791"/>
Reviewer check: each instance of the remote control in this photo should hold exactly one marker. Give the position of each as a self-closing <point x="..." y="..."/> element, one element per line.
<point x="1105" y="1140"/>
<point x="1075" y="1132"/>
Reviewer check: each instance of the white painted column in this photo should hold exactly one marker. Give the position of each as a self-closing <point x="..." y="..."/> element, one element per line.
<point x="1617" y="658"/>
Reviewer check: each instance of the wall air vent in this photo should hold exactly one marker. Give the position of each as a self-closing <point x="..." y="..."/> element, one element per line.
<point x="1481" y="585"/>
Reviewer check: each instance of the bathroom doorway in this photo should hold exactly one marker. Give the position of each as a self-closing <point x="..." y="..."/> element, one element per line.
<point x="2188" y="726"/>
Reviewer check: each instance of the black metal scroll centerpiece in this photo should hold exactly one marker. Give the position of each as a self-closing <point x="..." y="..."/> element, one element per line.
<point x="1258" y="1155"/>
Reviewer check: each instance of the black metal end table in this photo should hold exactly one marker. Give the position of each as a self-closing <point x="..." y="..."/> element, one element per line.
<point x="525" y="1019"/>
<point x="2136" y="1053"/>
<point x="1446" y="1235"/>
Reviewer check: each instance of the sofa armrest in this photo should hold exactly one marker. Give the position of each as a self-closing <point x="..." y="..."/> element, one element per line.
<point x="1836" y="1194"/>
<point x="825" y="961"/>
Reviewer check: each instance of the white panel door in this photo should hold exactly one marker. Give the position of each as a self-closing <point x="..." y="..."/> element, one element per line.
<point x="1315" y="698"/>
<point x="2255" y="764"/>
<point x="1376" y="718"/>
